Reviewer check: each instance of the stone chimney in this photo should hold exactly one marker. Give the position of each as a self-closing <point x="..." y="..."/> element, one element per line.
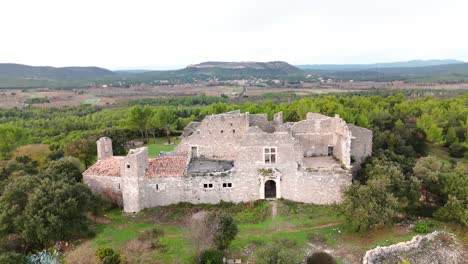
<point x="278" y="119"/>
<point x="104" y="148"/>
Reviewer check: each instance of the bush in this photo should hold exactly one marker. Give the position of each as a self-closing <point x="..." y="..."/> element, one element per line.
<point x="276" y="254"/>
<point x="320" y="258"/>
<point x="457" y="150"/>
<point x="108" y="255"/>
<point x="423" y="227"/>
<point x="211" y="256"/>
<point x="12" y="258"/>
<point x="224" y="229"/>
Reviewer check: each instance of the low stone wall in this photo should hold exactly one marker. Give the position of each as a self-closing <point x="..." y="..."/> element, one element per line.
<point x="435" y="248"/>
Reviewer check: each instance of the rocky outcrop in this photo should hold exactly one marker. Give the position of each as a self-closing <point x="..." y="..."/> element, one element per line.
<point x="436" y="248"/>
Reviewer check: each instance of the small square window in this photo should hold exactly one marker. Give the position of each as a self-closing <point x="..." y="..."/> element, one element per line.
<point x="233" y="131"/>
<point x="128" y="166"/>
<point x="210" y="185"/>
<point x="205" y="185"/>
<point x="222" y="131"/>
<point x="224" y="185"/>
<point x="229" y="185"/>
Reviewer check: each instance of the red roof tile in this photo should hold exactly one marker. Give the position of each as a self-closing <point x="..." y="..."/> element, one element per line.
<point x="105" y="167"/>
<point x="170" y="166"/>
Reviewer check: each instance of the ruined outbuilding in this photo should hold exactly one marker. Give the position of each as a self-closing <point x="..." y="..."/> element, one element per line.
<point x="237" y="157"/>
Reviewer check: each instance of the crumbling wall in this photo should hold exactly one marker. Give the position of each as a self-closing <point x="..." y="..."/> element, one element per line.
<point x="217" y="137"/>
<point x="437" y="248"/>
<point x="261" y="121"/>
<point x="108" y="187"/>
<point x="361" y="145"/>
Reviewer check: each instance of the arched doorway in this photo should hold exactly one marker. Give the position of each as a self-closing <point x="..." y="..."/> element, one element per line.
<point x="270" y="189"/>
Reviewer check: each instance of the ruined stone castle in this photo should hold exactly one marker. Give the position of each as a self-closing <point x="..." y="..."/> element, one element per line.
<point x="236" y="157"/>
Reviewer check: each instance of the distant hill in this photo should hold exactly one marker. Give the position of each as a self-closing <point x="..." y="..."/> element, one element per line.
<point x="356" y="67"/>
<point x="448" y="73"/>
<point x="272" y="65"/>
<point x="228" y="71"/>
<point x="10" y="70"/>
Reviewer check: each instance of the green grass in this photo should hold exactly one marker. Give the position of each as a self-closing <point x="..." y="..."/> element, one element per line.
<point x="91" y="101"/>
<point x="296" y="224"/>
<point x="155" y="146"/>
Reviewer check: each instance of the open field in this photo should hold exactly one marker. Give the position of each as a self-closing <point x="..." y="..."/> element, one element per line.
<point x="10" y="98"/>
<point x="300" y="227"/>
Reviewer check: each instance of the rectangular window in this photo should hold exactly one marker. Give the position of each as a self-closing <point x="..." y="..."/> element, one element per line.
<point x="269" y="154"/>
<point x="208" y="186"/>
<point x="227" y="185"/>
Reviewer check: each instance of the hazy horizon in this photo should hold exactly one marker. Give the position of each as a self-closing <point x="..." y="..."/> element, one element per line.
<point x="170" y="35"/>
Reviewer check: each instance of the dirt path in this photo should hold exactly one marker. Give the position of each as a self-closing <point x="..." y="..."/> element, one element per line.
<point x="274" y="209"/>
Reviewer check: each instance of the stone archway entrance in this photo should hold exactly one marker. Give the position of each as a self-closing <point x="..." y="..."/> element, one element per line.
<point x="270" y="189"/>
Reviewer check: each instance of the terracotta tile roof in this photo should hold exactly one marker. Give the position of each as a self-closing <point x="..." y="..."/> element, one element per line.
<point x="170" y="166"/>
<point x="105" y="167"/>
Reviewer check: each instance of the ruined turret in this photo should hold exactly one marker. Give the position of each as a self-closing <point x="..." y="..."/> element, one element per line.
<point x="104" y="148"/>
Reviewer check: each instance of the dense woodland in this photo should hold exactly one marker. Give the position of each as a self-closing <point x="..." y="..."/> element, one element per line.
<point x="42" y="199"/>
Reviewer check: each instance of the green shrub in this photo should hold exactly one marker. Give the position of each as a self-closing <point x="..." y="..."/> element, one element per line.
<point x="211" y="256"/>
<point x="108" y="255"/>
<point x="457" y="150"/>
<point x="423" y="227"/>
<point x="320" y="258"/>
<point x="224" y="229"/>
<point x="276" y="254"/>
<point x="12" y="258"/>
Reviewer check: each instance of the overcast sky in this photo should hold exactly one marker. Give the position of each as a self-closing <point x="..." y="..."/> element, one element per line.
<point x="173" y="33"/>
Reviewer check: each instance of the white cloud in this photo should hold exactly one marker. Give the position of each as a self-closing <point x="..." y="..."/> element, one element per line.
<point x="165" y="33"/>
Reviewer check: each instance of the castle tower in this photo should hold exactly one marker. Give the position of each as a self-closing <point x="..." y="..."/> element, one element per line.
<point x="104" y="148"/>
<point x="132" y="170"/>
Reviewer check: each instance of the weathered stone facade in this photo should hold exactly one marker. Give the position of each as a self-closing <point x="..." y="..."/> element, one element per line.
<point x="237" y="157"/>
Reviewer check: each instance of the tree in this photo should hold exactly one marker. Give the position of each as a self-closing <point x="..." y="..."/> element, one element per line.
<point x="119" y="138"/>
<point x="451" y="136"/>
<point x="455" y="186"/>
<point x="223" y="229"/>
<point x="83" y="149"/>
<point x="138" y="119"/>
<point x="211" y="256"/>
<point x="11" y="137"/>
<point x="163" y="119"/>
<point x="55" y="211"/>
<point x="47" y="207"/>
<point x="12" y="258"/>
<point x="320" y="258"/>
<point x="13" y="202"/>
<point x="428" y="170"/>
<point x="64" y="170"/>
<point x="367" y="205"/>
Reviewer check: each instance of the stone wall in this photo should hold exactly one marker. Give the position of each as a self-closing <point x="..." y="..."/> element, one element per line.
<point x="261" y="121"/>
<point x="108" y="187"/>
<point x="436" y="247"/>
<point x="361" y="145"/>
<point x="318" y="187"/>
<point x="217" y="137"/>
<point x="170" y="190"/>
